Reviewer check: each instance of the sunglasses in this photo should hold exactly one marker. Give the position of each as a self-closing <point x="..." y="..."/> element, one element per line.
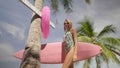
<point x="66" y="23"/>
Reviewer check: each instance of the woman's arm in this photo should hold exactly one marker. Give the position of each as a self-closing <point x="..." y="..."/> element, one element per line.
<point x="74" y="33"/>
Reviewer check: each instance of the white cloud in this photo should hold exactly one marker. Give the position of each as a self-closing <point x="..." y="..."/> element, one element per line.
<point x="114" y="14"/>
<point x="13" y="30"/>
<point x="105" y="12"/>
<point x="6" y="52"/>
<point x="107" y="9"/>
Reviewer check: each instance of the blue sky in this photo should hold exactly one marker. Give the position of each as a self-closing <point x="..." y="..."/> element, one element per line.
<point x="15" y="22"/>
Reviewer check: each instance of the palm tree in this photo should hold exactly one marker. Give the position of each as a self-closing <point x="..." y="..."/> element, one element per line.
<point x="32" y="49"/>
<point x="110" y="45"/>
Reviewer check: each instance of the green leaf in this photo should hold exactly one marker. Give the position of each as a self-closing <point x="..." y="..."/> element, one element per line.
<point x="98" y="62"/>
<point x="110" y="41"/>
<point x="87" y="28"/>
<point x="54" y="4"/>
<point x="110" y="45"/>
<point x="84" y="39"/>
<point x="88" y="1"/>
<point x="106" y="30"/>
<point x="87" y="63"/>
<point x="67" y="5"/>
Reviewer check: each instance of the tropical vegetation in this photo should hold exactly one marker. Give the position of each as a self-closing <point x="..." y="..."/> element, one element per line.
<point x="110" y="45"/>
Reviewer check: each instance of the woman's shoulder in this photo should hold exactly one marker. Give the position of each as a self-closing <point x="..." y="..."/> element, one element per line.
<point x="72" y="30"/>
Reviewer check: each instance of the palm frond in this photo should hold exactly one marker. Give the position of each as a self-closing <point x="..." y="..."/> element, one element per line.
<point x="87" y="28"/>
<point x="114" y="49"/>
<point x="98" y="62"/>
<point x="87" y="63"/>
<point x="104" y="49"/>
<point x="111" y="41"/>
<point x="109" y="54"/>
<point x="110" y="45"/>
<point x="84" y="39"/>
<point x="114" y="58"/>
<point x="116" y="52"/>
<point x="80" y="32"/>
<point x="54" y="4"/>
<point x="104" y="58"/>
<point x="106" y="30"/>
<point x="88" y="1"/>
<point x="67" y="5"/>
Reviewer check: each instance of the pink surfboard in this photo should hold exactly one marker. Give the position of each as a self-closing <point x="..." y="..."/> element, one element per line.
<point x="53" y="53"/>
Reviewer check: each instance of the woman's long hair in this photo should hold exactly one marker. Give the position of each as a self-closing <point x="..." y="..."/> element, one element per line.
<point x="69" y="24"/>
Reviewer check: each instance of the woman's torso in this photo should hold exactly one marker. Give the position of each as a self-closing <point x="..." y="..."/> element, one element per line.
<point x="69" y="42"/>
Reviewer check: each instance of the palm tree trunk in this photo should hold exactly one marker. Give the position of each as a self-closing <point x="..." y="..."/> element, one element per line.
<point x="31" y="57"/>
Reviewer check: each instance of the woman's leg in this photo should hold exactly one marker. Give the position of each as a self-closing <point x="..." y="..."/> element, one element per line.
<point x="69" y="58"/>
<point x="71" y="65"/>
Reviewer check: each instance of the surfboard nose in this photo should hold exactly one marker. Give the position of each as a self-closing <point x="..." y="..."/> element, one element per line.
<point x="100" y="49"/>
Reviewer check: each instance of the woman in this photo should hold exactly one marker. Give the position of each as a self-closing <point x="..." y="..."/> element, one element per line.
<point x="70" y="43"/>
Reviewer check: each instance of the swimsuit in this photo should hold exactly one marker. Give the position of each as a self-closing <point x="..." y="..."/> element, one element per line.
<point x="69" y="42"/>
